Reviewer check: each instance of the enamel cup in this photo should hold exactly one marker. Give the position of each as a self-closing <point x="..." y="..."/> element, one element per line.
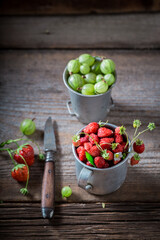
<point x="88" y="108"/>
<point x="100" y="181"/>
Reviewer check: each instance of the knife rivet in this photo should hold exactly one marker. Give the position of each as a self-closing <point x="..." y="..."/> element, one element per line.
<point x="47" y="195"/>
<point x="49" y="171"/>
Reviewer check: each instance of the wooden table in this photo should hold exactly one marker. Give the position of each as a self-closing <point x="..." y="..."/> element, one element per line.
<point x="34" y="52"/>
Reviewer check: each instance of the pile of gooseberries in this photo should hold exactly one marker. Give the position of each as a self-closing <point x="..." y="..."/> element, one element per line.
<point x="90" y="75"/>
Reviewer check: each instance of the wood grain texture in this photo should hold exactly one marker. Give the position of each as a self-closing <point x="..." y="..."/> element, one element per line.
<point x="48" y="185"/>
<point x="31" y="86"/>
<point x="81" y="221"/>
<point x="127" y="31"/>
<point x="47" y="7"/>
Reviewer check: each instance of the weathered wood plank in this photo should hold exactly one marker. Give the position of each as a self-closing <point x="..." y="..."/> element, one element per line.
<point x="46" y="7"/>
<point x="32" y="86"/>
<point x="95" y="31"/>
<point x="81" y="221"/>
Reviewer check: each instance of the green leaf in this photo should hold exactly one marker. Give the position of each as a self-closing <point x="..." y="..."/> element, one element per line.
<point x="90" y="159"/>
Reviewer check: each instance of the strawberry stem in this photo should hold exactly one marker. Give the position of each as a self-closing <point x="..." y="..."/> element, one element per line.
<point x="139" y="135"/>
<point x="10" y="154"/>
<point x="27" y="170"/>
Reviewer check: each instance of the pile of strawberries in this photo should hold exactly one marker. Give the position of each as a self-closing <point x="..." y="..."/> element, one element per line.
<point x="102" y="144"/>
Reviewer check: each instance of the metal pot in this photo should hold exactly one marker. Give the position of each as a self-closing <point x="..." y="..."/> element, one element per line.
<point x="100" y="181"/>
<point x="88" y="108"/>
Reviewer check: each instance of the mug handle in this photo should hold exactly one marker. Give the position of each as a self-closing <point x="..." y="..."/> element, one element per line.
<point x="69" y="110"/>
<point x="83" y="180"/>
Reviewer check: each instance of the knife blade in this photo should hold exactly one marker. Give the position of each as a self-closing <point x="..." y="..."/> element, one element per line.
<point x="48" y="183"/>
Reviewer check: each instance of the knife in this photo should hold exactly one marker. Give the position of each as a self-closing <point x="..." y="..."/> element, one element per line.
<point x="48" y="183"/>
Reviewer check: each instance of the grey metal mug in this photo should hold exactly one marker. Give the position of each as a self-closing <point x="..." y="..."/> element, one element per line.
<point x="100" y="181"/>
<point x="88" y="108"/>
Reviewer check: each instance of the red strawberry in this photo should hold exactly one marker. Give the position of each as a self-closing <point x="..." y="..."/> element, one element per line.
<point x="110" y="157"/>
<point x="81" y="153"/>
<point x="94" y="151"/>
<point x="120" y="130"/>
<point x="105" y="143"/>
<point x="27" y="153"/>
<point x="76" y="140"/>
<point x="119" y="148"/>
<point x="89" y="164"/>
<point x="104" y="132"/>
<point x="84" y="139"/>
<point x="87" y="146"/>
<point x="20" y="173"/>
<point x="95" y="137"/>
<point x="138" y="146"/>
<point x="91" y="128"/>
<point x="118" y="138"/>
<point x="99" y="162"/>
<point x="106" y="165"/>
<point x="135" y="159"/>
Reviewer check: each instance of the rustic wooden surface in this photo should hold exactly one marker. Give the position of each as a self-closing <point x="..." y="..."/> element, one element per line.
<point x="47" y="7"/>
<point x="103" y="31"/>
<point x="31" y="86"/>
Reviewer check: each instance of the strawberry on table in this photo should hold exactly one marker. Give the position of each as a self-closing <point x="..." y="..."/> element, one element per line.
<point x="27" y="153"/>
<point x="91" y="128"/>
<point x="104" y="132"/>
<point x="135" y="159"/>
<point x="139" y="146"/>
<point x="20" y="173"/>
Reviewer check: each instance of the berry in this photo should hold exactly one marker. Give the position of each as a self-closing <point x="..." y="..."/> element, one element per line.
<point x="95" y="137"/>
<point x="90" y="78"/>
<point x="94" y="151"/>
<point x="20" y="173"/>
<point x="87" y="146"/>
<point x="73" y="66"/>
<point x="107" y="66"/>
<point x="101" y="87"/>
<point x="135" y="159"/>
<point x="118" y="138"/>
<point x="120" y="130"/>
<point x="109" y="78"/>
<point x="75" y="81"/>
<point x="139" y="146"/>
<point x="91" y="128"/>
<point x="86" y="58"/>
<point x="110" y="156"/>
<point x="99" y="78"/>
<point x="88" y="89"/>
<point x="27" y="153"/>
<point x="81" y="153"/>
<point x="106" y="165"/>
<point x="66" y="191"/>
<point x="104" y="132"/>
<point x="105" y="143"/>
<point x="119" y="148"/>
<point x="27" y="127"/>
<point x="89" y="164"/>
<point x="99" y="162"/>
<point x="76" y="140"/>
<point x="96" y="67"/>
<point x="84" y="68"/>
<point x="84" y="139"/>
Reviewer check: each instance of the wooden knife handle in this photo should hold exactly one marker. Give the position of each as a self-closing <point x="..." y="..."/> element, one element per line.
<point x="48" y="194"/>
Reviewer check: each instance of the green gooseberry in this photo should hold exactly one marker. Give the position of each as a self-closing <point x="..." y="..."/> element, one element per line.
<point x="66" y="191"/>
<point x="27" y="126"/>
<point x="101" y="87"/>
<point x="86" y="58"/>
<point x="107" y="66"/>
<point x="99" y="77"/>
<point x="73" y="66"/>
<point x="84" y="68"/>
<point x="88" y="89"/>
<point x="109" y="78"/>
<point x="75" y="81"/>
<point x="90" y="78"/>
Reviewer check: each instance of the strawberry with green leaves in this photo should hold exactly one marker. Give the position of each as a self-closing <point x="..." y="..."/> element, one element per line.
<point x="135" y="159"/>
<point x="138" y="146"/>
<point x="26" y="151"/>
<point x="20" y="173"/>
